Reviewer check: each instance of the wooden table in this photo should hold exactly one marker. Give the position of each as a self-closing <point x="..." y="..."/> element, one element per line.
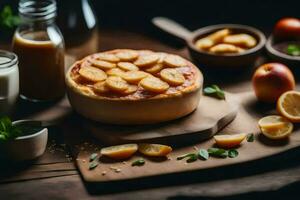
<point x="274" y="178"/>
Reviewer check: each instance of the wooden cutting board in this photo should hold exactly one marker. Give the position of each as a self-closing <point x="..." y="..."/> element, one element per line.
<point x="211" y="115"/>
<point x="246" y="121"/>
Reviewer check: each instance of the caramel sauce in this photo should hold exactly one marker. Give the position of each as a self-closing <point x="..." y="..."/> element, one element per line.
<point x="41" y="64"/>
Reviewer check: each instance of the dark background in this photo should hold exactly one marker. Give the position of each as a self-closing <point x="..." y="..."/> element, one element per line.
<point x="195" y="13"/>
<point x="136" y="14"/>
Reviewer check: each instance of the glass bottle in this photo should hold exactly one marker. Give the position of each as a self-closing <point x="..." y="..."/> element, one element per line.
<point x="78" y="16"/>
<point x="39" y="45"/>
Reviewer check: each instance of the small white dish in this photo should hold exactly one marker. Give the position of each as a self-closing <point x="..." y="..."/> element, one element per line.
<point x="27" y="147"/>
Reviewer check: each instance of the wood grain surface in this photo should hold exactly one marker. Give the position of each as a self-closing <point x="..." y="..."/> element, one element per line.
<point x="56" y="161"/>
<point x="210" y="116"/>
<point x="275" y="177"/>
<point x="245" y="122"/>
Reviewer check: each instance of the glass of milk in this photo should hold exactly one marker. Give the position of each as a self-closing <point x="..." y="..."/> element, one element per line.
<point x="9" y="82"/>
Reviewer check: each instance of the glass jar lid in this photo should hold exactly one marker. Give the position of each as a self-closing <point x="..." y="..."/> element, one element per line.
<point x="37" y="10"/>
<point x="7" y="59"/>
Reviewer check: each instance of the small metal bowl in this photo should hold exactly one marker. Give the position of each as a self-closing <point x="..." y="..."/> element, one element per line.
<point x="276" y="55"/>
<point x="27" y="147"/>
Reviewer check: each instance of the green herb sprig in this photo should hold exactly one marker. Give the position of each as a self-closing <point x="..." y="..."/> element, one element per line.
<point x="232" y="153"/>
<point x="293" y="50"/>
<point x="93" y="162"/>
<point x="8" y="19"/>
<point x="223" y="153"/>
<point x="191" y="157"/>
<point x="217" y="152"/>
<point x="250" y="137"/>
<point x="93" y="165"/>
<point x="8" y="130"/>
<point x="203" y="154"/>
<point x="93" y="156"/>
<point x="138" y="162"/>
<point x="214" y="91"/>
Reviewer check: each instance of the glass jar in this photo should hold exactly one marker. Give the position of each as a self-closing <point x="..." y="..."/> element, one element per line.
<point x="39" y="45"/>
<point x="9" y="82"/>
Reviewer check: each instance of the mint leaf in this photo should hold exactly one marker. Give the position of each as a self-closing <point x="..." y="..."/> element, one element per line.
<point x="293" y="50"/>
<point x="8" y="130"/>
<point x="209" y="90"/>
<point x="93" y="156"/>
<point x="93" y="165"/>
<point x="232" y="153"/>
<point x="5" y="123"/>
<point x="7" y="19"/>
<point x="217" y="152"/>
<point x="184" y="156"/>
<point x="2" y="137"/>
<point x="214" y="91"/>
<point x="193" y="157"/>
<point x="203" y="154"/>
<point x="138" y="162"/>
<point x="250" y="137"/>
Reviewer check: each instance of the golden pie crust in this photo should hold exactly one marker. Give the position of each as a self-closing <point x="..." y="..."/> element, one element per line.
<point x="125" y="86"/>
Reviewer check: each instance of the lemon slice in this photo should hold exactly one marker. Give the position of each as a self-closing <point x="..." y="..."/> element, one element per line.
<point x="278" y="134"/>
<point x="281" y="127"/>
<point x="272" y="122"/>
<point x="229" y="141"/>
<point x="120" y="151"/>
<point x="288" y="105"/>
<point x="154" y="149"/>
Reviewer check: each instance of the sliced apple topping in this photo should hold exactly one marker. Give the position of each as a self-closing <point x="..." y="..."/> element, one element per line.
<point x="154" y="84"/>
<point x="116" y="83"/>
<point x="92" y="73"/>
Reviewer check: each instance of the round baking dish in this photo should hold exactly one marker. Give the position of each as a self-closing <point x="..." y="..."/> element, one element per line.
<point x="159" y="108"/>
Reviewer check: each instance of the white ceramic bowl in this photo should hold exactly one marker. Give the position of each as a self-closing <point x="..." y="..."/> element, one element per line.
<point x="26" y="147"/>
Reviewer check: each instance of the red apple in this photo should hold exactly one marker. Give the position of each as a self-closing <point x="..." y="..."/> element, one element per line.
<point x="287" y="28"/>
<point x="271" y="80"/>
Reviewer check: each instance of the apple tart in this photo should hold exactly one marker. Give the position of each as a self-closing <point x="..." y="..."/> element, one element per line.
<point x="133" y="86"/>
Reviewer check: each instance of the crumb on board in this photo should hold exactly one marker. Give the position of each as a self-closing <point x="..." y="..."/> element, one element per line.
<point x="115" y="169"/>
